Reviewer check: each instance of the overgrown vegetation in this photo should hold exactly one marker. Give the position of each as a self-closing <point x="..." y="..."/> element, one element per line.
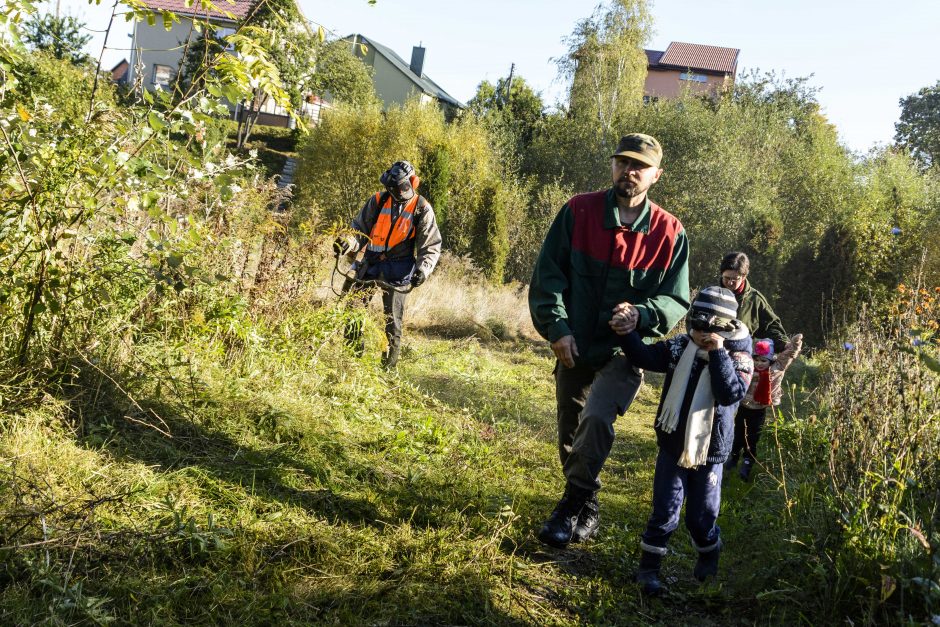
<point x="184" y="438"/>
<point x="855" y="477"/>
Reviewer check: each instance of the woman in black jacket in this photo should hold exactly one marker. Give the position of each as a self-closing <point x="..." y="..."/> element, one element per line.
<point x="755" y="312"/>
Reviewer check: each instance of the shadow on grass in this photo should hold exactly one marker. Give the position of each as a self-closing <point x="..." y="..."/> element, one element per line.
<point x="308" y="469"/>
<point x="460" y="599"/>
<point x="107" y="423"/>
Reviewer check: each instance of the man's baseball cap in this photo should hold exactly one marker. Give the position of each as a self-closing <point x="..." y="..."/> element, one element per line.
<point x="641" y="147"/>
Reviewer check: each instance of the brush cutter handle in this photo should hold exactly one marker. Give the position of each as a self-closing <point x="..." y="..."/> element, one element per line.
<point x="351" y="275"/>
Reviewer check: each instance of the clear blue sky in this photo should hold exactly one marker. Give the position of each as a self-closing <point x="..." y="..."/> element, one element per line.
<point x="864" y="55"/>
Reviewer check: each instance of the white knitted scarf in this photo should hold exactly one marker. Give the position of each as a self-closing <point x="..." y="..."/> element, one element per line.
<point x="698" y="428"/>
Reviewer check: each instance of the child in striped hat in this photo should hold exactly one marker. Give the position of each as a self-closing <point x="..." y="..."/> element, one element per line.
<point x="708" y="370"/>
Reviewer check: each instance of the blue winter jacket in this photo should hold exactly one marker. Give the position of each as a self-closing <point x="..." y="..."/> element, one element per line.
<point x="731" y="368"/>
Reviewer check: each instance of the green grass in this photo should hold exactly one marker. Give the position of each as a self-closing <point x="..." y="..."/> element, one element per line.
<point x="302" y="486"/>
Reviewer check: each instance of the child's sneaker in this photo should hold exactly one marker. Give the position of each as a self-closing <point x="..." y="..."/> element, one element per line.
<point x="745" y="471"/>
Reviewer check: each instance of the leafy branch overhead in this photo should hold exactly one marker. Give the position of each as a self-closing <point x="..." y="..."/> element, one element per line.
<point x="918" y="128"/>
<point x="67" y="172"/>
<point x="296" y="61"/>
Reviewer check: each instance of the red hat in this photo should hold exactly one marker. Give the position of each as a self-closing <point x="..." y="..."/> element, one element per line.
<point x="764" y="348"/>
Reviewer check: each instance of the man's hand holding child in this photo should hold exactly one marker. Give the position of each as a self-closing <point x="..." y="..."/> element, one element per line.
<point x="625" y="318"/>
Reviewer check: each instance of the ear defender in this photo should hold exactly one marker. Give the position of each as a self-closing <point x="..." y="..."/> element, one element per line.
<point x="415" y="181"/>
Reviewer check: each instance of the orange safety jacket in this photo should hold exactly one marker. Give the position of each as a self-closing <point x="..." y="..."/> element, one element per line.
<point x="385" y="234"/>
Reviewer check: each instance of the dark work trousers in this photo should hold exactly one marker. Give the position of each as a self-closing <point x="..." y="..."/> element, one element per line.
<point x="393" y="304"/>
<point x="700" y="487"/>
<point x="747" y="427"/>
<point x="589" y="401"/>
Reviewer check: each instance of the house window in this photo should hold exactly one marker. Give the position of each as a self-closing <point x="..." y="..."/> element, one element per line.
<point x="221" y="33"/>
<point x="162" y="75"/>
<point x="689" y="76"/>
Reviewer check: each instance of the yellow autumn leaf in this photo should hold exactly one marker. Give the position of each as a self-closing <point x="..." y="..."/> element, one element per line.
<point x="23" y="113"/>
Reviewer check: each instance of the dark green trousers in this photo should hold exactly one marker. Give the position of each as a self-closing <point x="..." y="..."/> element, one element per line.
<point x="589" y="401"/>
<point x="393" y="304"/>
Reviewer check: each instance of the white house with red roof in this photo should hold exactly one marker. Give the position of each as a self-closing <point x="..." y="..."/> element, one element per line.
<point x="699" y="68"/>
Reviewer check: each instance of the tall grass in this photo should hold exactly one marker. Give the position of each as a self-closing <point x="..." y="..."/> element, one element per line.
<point x="857" y="475"/>
<point x="458" y="301"/>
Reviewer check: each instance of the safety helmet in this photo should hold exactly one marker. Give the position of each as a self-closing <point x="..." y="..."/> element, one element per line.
<point x="400" y="180"/>
<point x="398" y="172"/>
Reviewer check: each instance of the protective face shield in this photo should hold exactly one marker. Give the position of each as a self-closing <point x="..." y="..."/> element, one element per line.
<point x="400" y="181"/>
<point x="402" y="191"/>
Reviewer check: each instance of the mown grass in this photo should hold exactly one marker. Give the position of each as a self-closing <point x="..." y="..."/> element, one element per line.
<point x="249" y="483"/>
<point x="231" y="462"/>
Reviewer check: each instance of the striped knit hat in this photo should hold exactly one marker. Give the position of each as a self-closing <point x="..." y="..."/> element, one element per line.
<point x="716" y="301"/>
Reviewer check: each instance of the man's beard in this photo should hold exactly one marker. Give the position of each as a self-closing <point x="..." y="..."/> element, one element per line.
<point x="624" y="189"/>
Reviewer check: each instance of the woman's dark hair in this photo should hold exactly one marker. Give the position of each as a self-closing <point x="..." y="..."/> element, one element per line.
<point x="736" y="262"/>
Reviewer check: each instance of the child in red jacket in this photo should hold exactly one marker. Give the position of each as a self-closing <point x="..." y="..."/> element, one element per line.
<point x="765" y="391"/>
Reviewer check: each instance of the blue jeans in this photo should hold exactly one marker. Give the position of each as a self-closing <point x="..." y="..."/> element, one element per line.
<point x="700" y="488"/>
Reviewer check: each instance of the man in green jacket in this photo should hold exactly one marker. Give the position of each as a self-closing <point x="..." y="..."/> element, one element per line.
<point x="612" y="262"/>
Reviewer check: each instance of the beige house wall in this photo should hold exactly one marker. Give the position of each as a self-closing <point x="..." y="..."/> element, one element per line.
<point x="666" y="84"/>
<point x="392" y="85"/>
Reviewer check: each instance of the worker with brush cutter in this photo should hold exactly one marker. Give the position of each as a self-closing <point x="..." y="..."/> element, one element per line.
<point x="402" y="243"/>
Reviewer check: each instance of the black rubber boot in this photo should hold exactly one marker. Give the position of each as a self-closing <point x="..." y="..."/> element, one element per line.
<point x="745" y="471"/>
<point x="589" y="520"/>
<point x="731" y="464"/>
<point x="390" y="358"/>
<point x="558" y="530"/>
<point x="707" y="564"/>
<point x="647" y="574"/>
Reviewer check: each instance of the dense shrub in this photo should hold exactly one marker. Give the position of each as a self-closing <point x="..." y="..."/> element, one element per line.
<point x="343" y="157"/>
<point x="61" y="86"/>
<point x="489" y="244"/>
<point x="530" y="211"/>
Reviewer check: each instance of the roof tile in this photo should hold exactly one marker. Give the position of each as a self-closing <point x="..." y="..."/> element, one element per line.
<point x="699" y="57"/>
<point x="238" y="8"/>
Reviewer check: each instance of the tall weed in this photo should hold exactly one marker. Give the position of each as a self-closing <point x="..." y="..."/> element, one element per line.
<point x="861" y="476"/>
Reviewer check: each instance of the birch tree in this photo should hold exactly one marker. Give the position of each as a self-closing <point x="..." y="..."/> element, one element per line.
<point x="606" y="64"/>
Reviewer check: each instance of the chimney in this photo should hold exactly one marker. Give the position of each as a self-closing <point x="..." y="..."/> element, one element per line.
<point x="417" y="59"/>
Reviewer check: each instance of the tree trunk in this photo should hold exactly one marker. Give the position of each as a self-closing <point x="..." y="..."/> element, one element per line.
<point x="249" y="116"/>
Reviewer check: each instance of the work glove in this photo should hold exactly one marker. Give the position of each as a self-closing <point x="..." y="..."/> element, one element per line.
<point x="417" y="278"/>
<point x="342" y="245"/>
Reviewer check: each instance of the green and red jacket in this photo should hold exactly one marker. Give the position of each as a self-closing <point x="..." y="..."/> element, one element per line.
<point x="590" y="262"/>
